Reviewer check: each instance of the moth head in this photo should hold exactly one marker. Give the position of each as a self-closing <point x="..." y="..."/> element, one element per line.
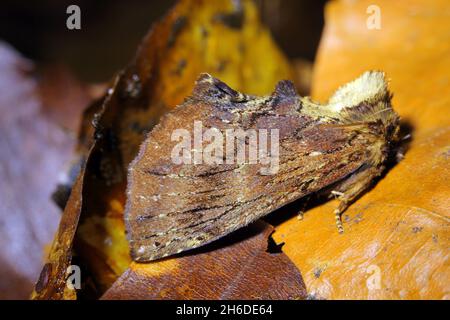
<point x="392" y="131"/>
<point x="367" y="99"/>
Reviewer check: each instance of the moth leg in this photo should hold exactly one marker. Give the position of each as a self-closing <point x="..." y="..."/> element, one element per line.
<point x="339" y="210"/>
<point x="350" y="189"/>
<point x="303" y="205"/>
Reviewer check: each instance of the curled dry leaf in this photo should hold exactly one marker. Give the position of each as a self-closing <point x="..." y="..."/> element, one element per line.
<point x="397" y="236"/>
<point x="224" y="38"/>
<point x="236" y="267"/>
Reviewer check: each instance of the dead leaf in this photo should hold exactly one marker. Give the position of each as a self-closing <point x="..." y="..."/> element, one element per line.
<point x="237" y="267"/>
<point x="194" y="37"/>
<point x="52" y="280"/>
<point x="397" y="235"/>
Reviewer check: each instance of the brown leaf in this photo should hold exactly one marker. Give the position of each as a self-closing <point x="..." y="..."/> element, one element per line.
<point x="238" y="267"/>
<point x="64" y="97"/>
<point x="52" y="280"/>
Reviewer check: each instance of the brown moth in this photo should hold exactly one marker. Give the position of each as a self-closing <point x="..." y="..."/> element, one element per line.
<point x="175" y="204"/>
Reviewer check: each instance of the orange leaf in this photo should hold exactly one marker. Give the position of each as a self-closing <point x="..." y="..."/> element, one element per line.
<point x="397" y="235"/>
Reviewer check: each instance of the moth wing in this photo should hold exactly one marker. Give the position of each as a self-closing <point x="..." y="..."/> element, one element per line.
<point x="175" y="207"/>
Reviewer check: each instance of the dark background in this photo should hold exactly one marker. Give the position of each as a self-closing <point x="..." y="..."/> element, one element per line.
<point x="112" y="29"/>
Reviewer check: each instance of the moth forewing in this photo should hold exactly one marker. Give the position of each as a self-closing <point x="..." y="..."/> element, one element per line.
<point x="174" y="205"/>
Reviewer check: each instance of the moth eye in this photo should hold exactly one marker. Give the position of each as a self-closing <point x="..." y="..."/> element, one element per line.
<point x="390" y="130"/>
<point x="157" y="244"/>
<point x="200" y="238"/>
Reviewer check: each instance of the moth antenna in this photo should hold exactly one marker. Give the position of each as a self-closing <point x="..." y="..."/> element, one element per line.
<point x="382" y="110"/>
<point x="343" y="125"/>
<point x="406" y="137"/>
<point x="349" y="126"/>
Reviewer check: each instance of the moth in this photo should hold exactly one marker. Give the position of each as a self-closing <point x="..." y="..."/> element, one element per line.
<point x="174" y="205"/>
